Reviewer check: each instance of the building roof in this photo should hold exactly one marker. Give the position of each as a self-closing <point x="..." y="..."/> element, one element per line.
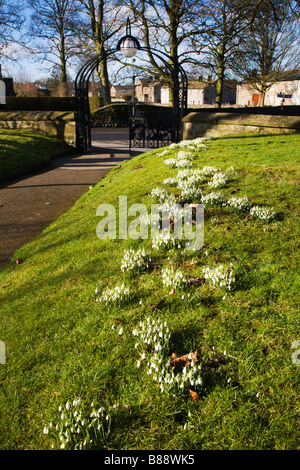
<point x="122" y="87"/>
<point x="149" y="82"/>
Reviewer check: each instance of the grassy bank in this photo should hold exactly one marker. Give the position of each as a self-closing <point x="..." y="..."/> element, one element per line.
<point x="63" y="344"/>
<point x="24" y="151"/>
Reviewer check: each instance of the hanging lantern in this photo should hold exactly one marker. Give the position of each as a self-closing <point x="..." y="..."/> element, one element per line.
<point x="128" y="45"/>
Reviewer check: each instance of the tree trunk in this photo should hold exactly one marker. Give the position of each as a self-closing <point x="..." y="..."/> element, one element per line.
<point x="63" y="66"/>
<point x="97" y="20"/>
<point x="102" y="73"/>
<point x="220" y="80"/>
<point x="173" y="15"/>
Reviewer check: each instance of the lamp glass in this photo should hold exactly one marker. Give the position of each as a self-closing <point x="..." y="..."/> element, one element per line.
<point x="128" y="48"/>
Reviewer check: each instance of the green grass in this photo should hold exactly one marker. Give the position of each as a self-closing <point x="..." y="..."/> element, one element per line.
<point x="24" y="151"/>
<point x="61" y="345"/>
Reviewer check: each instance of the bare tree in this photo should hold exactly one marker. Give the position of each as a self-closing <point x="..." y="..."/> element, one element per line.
<point x="220" y="39"/>
<point x="167" y="25"/>
<point x="99" y="22"/>
<point x="11" y="20"/>
<point x="52" y="22"/>
<point x="271" y="50"/>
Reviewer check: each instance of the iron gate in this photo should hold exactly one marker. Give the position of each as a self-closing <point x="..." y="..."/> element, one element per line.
<point x="150" y="128"/>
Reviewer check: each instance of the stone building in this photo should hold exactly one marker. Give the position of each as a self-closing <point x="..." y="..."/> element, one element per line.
<point x="285" y="92"/>
<point x="121" y="92"/>
<point x="203" y="93"/>
<point x="148" y="91"/>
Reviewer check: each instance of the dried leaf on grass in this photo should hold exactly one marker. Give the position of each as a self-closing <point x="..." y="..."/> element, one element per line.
<point x="161" y="302"/>
<point x="195" y="396"/>
<point x="179" y="362"/>
<point x="195" y="281"/>
<point x="137" y="167"/>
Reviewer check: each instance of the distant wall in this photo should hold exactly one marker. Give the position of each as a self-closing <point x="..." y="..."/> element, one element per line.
<point x="58" y="124"/>
<point x="216" y="124"/>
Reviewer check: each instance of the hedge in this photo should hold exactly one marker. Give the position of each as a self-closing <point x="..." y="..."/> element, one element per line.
<point x="117" y="114"/>
<point x="39" y="103"/>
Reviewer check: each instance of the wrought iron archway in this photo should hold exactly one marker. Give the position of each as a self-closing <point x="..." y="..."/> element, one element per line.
<point x="177" y="73"/>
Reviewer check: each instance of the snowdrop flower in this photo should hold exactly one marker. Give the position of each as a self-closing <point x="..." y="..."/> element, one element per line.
<point x="171" y="278"/>
<point x="238" y="204"/>
<point x="135" y="261"/>
<point x="213" y="199"/>
<point x="220" y="276"/>
<point x="209" y="170"/>
<point x="219" y="180"/>
<point x="264" y="214"/>
<point x="115" y="295"/>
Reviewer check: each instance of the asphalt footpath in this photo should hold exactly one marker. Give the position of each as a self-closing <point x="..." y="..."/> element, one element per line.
<point x="28" y="205"/>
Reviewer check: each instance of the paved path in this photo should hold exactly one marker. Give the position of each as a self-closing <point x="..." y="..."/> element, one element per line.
<point x="29" y="204"/>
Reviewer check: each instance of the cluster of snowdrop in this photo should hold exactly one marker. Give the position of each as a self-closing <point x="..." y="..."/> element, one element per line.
<point x="218" y="181"/>
<point x="213" y="199"/>
<point x="181" y="160"/>
<point x="220" y="276"/>
<point x="171" y="278"/>
<point x="159" y="194"/>
<point x="194" y="144"/>
<point x="152" y="335"/>
<point x="165" y="241"/>
<point x="135" y="261"/>
<point x="266" y="214"/>
<point x="238" y="204"/>
<point x="149" y="219"/>
<point x="79" y="428"/>
<point x="170" y="381"/>
<point x="153" y="338"/>
<point x="194" y="176"/>
<point x="178" y="163"/>
<point x="171" y="208"/>
<point x="209" y="170"/>
<point x="114" y="295"/>
<point x="189" y="192"/>
<point x="170" y="182"/>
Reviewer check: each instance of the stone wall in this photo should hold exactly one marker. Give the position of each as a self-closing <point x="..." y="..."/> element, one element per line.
<point x="54" y="123"/>
<point x="216" y="124"/>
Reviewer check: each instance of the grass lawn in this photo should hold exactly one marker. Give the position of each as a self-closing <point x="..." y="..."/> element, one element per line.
<point x="63" y="345"/>
<point x="24" y="151"/>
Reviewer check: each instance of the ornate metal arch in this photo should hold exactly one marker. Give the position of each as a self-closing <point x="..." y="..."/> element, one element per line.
<point x="180" y="83"/>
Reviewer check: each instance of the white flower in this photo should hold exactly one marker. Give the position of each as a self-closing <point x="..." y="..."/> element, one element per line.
<point x="219" y="180"/>
<point x="159" y="194"/>
<point x="135" y="261"/>
<point x="220" y="276"/>
<point x="213" y="199"/>
<point x="171" y="278"/>
<point x="238" y="204"/>
<point x="264" y="214"/>
<point x="113" y="295"/>
<point x="209" y="170"/>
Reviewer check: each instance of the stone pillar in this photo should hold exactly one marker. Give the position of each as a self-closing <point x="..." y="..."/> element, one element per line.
<point x="2" y="92"/>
